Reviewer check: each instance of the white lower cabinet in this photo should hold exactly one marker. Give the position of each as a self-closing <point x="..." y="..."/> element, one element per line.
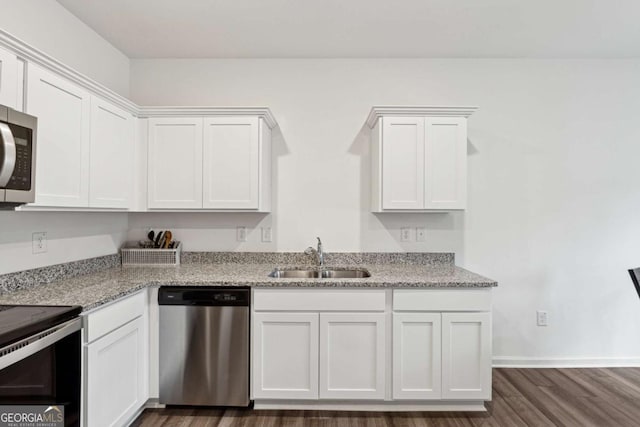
<point x="407" y="349"/>
<point x="466" y="356"/>
<point x="285" y="357"/>
<point x="352" y="355"/>
<point x="417" y="356"/>
<point x="116" y="362"/>
<point x="115" y="376"/>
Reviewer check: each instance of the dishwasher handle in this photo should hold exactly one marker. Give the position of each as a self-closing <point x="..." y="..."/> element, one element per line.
<point x="204" y="296"/>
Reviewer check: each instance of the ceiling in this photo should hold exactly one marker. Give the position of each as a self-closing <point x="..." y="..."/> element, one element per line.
<point x="365" y="28"/>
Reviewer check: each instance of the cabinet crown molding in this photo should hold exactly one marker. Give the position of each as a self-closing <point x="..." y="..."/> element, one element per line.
<point x="32" y="55"/>
<point x="262" y="112"/>
<point x="35" y="56"/>
<point x="438" y="111"/>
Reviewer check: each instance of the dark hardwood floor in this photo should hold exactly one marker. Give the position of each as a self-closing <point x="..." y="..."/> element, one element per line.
<point x="521" y="397"/>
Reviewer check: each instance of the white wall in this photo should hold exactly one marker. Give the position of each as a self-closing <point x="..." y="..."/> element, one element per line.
<point x="72" y="236"/>
<point x="553" y="182"/>
<point x="51" y="28"/>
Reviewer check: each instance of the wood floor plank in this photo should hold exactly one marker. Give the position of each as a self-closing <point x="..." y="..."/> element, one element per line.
<point x="600" y="397"/>
<point x="552" y="409"/>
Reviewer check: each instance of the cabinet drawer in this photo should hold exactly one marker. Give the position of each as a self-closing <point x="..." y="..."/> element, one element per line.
<point x="319" y="300"/>
<point x="106" y="319"/>
<point x="442" y="300"/>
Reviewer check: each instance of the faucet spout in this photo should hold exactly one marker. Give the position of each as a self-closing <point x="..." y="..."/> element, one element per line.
<point x="320" y="252"/>
<point x="317" y="253"/>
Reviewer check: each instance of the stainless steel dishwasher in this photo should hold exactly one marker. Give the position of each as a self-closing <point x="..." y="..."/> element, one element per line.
<point x="204" y="346"/>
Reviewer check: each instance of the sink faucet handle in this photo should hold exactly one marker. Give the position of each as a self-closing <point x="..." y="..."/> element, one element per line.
<point x="309" y="250"/>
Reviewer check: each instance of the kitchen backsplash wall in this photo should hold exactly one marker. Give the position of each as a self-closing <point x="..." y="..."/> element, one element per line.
<point x="71" y="236"/>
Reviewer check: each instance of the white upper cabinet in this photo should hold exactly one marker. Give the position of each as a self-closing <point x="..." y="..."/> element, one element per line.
<point x="403" y="163"/>
<point x="231" y="163"/>
<point x="445" y="163"/>
<point x="62" y="157"/>
<point x="210" y="163"/>
<point x="419" y="158"/>
<point x="85" y="145"/>
<point x="110" y="168"/>
<point x="175" y="163"/>
<point x="9" y="79"/>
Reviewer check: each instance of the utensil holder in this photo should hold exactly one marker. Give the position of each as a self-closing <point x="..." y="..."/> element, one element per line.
<point x="133" y="254"/>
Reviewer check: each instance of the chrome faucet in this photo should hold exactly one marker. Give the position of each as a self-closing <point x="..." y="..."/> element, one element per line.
<point x="318" y="253"/>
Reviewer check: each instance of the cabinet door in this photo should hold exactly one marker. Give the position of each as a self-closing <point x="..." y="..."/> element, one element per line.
<point x="9" y="79"/>
<point x="111" y="153"/>
<point x="175" y="163"/>
<point x="62" y="159"/>
<point x="231" y="163"/>
<point x="115" y="376"/>
<point x="445" y="163"/>
<point x="403" y="163"/>
<point x="352" y="355"/>
<point x="285" y="356"/>
<point x="466" y="356"/>
<point x="416" y="356"/>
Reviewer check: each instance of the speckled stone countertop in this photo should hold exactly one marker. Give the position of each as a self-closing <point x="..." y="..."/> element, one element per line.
<point x="94" y="289"/>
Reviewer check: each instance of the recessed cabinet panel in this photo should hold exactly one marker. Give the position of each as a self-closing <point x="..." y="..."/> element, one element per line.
<point x="231" y="163"/>
<point x="62" y="159"/>
<point x="466" y="356"/>
<point x="352" y="355"/>
<point x="445" y="163"/>
<point x="285" y="355"/>
<point x="175" y="163"/>
<point x="115" y="375"/>
<point x="9" y="80"/>
<point x="111" y="153"/>
<point x="403" y="163"/>
<point x="416" y="356"/>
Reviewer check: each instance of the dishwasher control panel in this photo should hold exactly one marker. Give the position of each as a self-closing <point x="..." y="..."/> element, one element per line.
<point x="204" y="296"/>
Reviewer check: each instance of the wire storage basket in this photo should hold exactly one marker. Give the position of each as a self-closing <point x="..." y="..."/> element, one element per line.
<point x="134" y="254"/>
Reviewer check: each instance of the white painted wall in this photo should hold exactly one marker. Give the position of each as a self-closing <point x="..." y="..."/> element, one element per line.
<point x="72" y="236"/>
<point x="553" y="182"/>
<point x="51" y="28"/>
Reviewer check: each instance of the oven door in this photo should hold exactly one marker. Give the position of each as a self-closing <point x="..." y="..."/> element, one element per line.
<point x="44" y="370"/>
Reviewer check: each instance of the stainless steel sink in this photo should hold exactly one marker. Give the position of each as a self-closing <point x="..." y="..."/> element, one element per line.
<point x="345" y="274"/>
<point x="294" y="274"/>
<point x="329" y="273"/>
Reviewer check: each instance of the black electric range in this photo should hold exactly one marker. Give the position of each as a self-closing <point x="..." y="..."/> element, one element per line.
<point x="21" y="321"/>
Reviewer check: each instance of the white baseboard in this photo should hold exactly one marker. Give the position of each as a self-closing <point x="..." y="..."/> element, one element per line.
<point x="386" y="406"/>
<point x="561" y="362"/>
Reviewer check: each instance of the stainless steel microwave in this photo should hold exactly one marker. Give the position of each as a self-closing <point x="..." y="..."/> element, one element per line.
<point x="17" y="158"/>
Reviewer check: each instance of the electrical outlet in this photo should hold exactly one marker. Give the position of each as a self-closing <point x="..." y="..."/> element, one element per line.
<point x="542" y="317"/>
<point x="266" y="234"/>
<point x="39" y="242"/>
<point x="421" y="234"/>
<point x="241" y="234"/>
<point x="405" y="234"/>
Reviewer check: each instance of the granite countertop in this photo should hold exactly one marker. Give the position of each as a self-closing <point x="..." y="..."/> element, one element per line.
<point x="98" y="288"/>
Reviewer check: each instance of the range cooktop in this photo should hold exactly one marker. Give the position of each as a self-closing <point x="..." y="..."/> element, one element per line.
<point x="21" y="321"/>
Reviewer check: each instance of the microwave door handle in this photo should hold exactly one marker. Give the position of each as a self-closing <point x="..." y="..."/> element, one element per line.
<point x="8" y="160"/>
